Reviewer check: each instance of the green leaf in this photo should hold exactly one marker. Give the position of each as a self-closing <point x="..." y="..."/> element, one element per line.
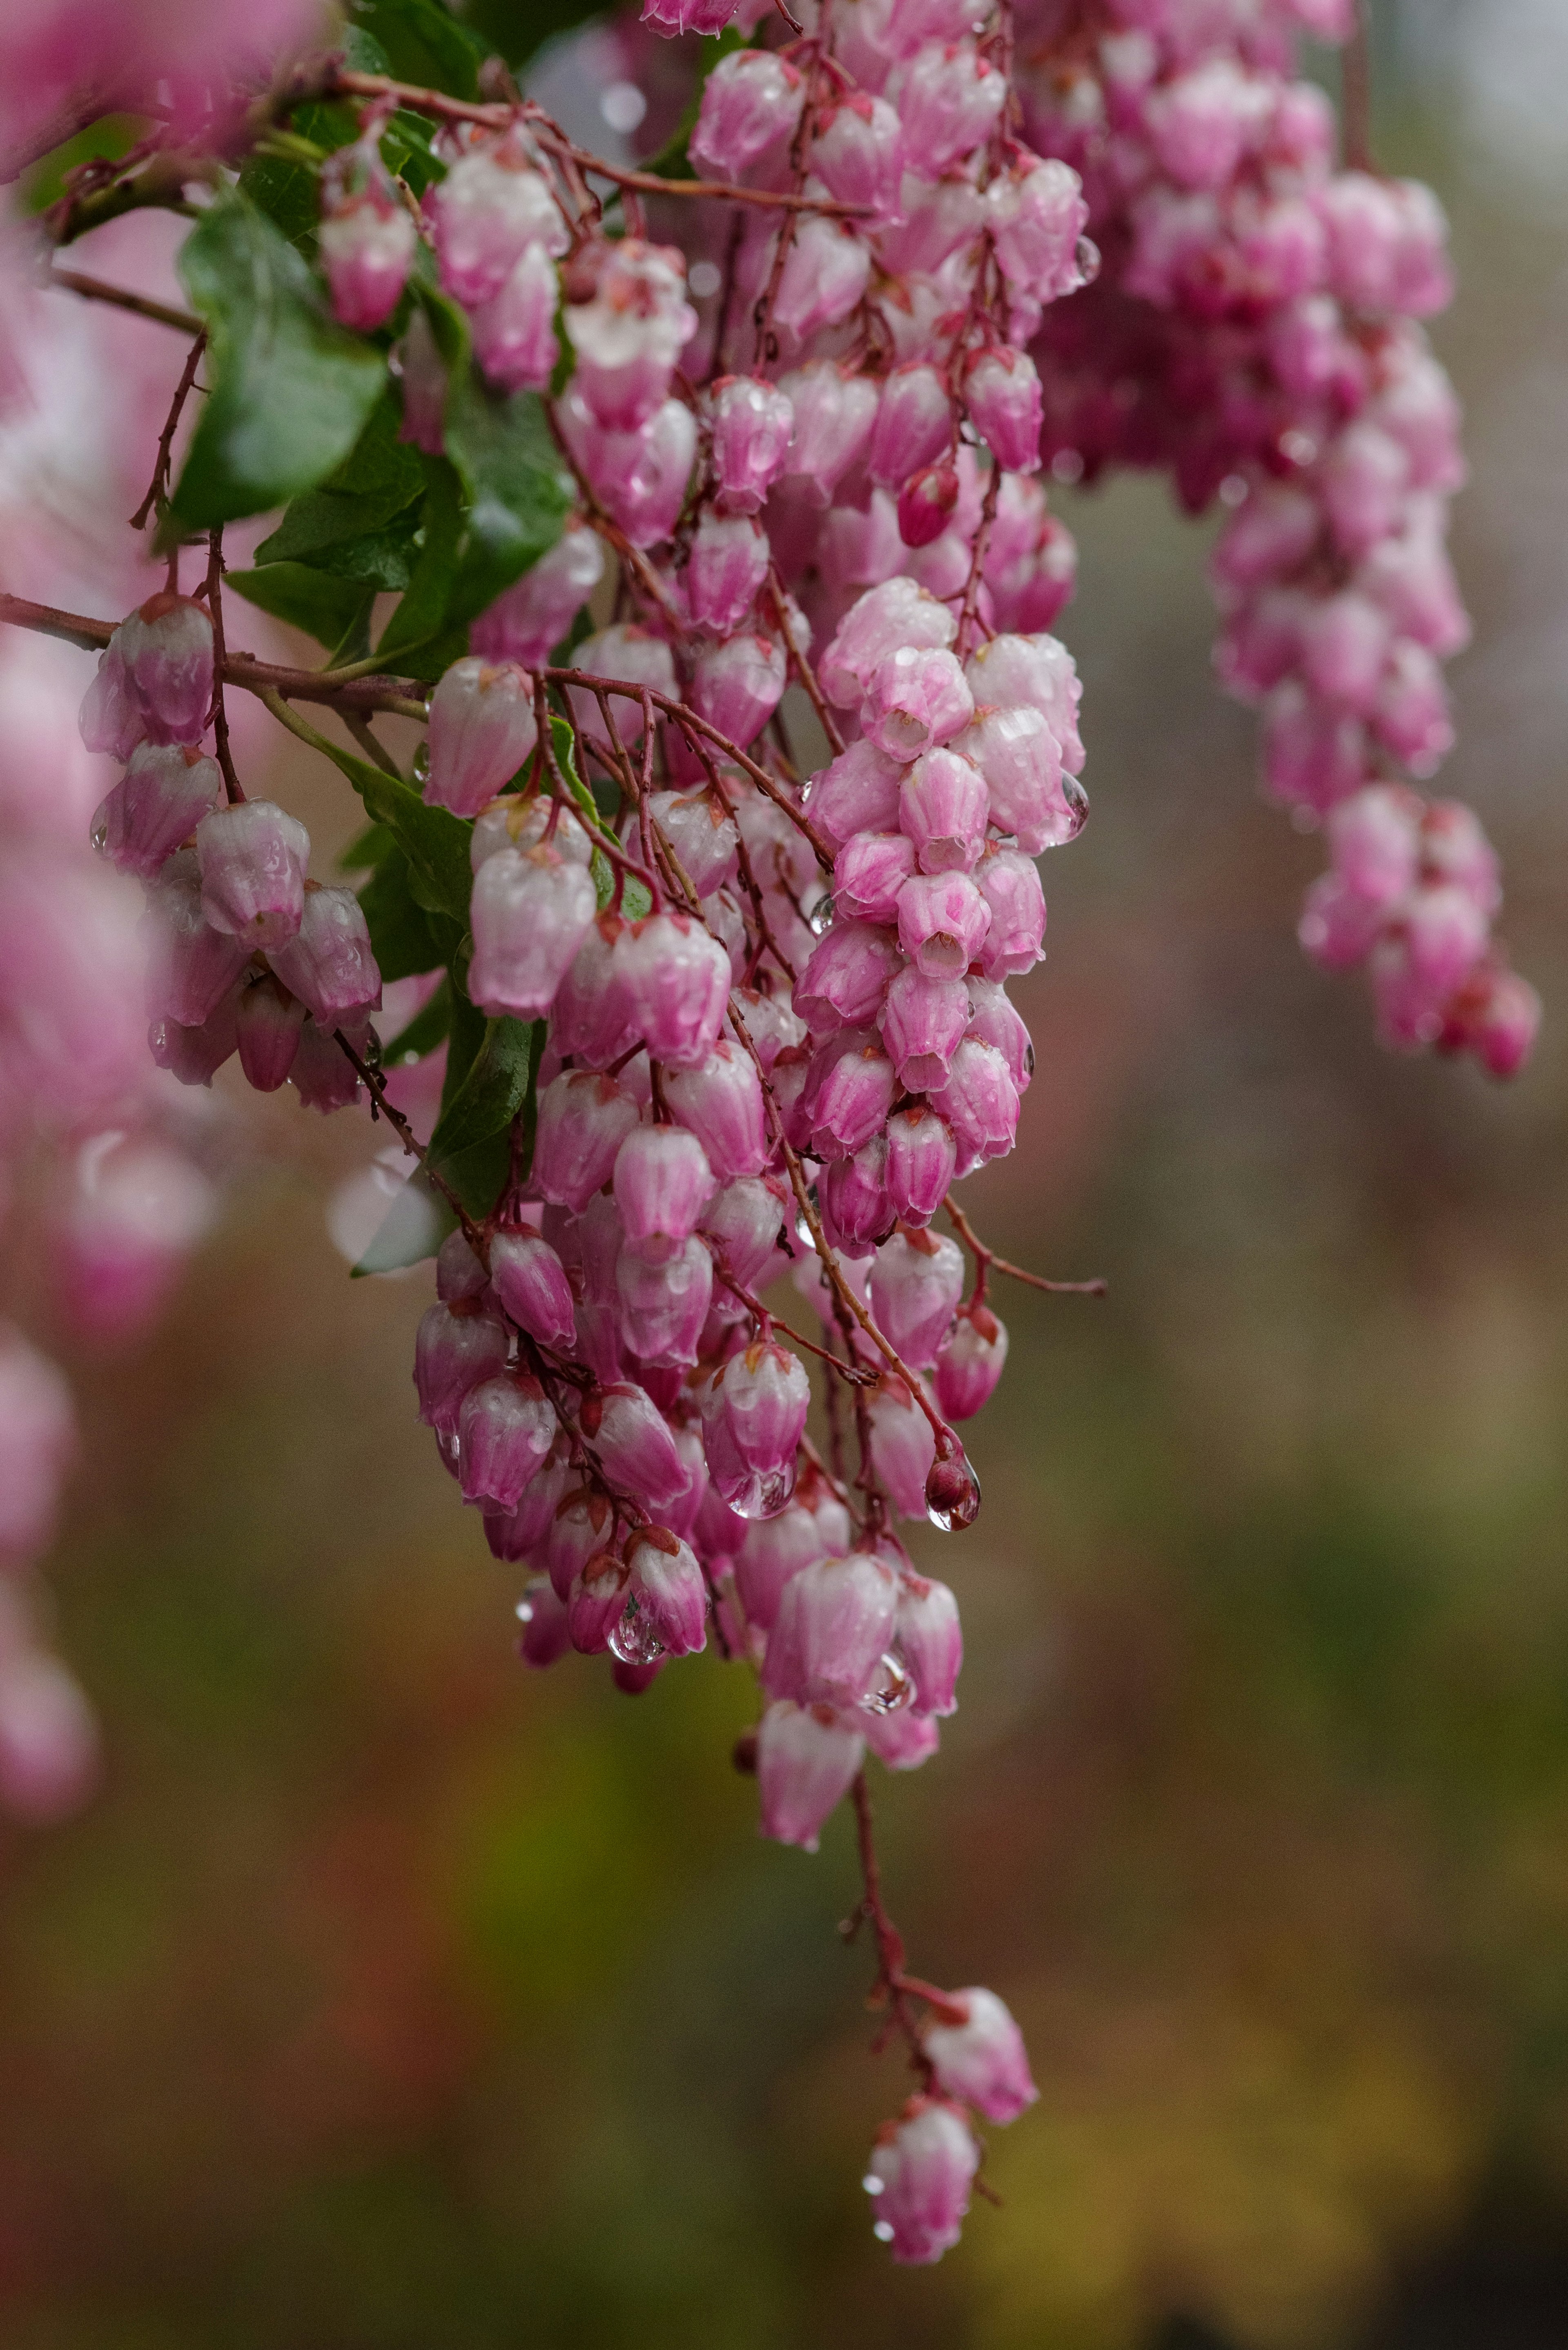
<point x="367" y="849"/>
<point x="417" y="633"/>
<point x="105" y="141"/>
<point x="486" y="1088"/>
<point x="433" y="840"/>
<point x="408" y="939"/>
<point x="291" y="389"/>
<point x="519" y="491"/>
<point x="425" y="1031"/>
<point x="327" y="610"/>
<point x="360" y="523"/>
<point x="636" y="900"/>
<point x="425" y="43"/>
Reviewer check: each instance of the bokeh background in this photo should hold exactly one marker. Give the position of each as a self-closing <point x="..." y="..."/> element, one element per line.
<point x="392" y="1998"/>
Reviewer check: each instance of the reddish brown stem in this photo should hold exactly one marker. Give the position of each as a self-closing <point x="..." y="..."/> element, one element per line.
<point x="98" y="289"/>
<point x="218" y="718"/>
<point x="985" y="1258"/>
<point x="159" y="481"/>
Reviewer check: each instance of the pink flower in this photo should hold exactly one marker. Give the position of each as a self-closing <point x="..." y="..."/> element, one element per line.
<point x="923" y="1023"/>
<point x="835" y="413"/>
<point x="949" y="100"/>
<point x="847" y="977"/>
<point x="737" y="685"/>
<point x="970" y="1362"/>
<point x="668" y="1586"/>
<point x="858" y="153"/>
<point x="252" y="858"/>
<point x="720" y="1102"/>
<point x="629" y="330"/>
<point x="807" y="1757"/>
<point x="482" y="727"/>
<point x="583" y="1121"/>
<point x="917" y="1281"/>
<point x="916" y="698"/>
<point x="505" y="1428"/>
<point x="328" y="963"/>
<point x="1038" y="218"/>
<point x="824" y="276"/>
<point x="526" y="623"/>
<point x="943" y="919"/>
<point x="675" y="978"/>
<point x="662" y="1181"/>
<point x="899" y="615"/>
<point x="530" y="1285"/>
<point x="634" y="1445"/>
<point x="981" y="2060"/>
<point x="923" y="2165"/>
<point x="929" y="1640"/>
<point x="868" y="873"/>
<point x="921" y="1159"/>
<point x="979" y="1103"/>
<point x="452" y="1353"/>
<point x="753" y="423"/>
<point x="943" y="805"/>
<point x="835" y="1623"/>
<point x="157" y="805"/>
<point x="530" y="912"/>
<point x="367" y="239"/>
<point x="491" y="206"/>
<point x="663" y="1293"/>
<point x="1002" y="392"/>
<point x="267" y="1022"/>
<point x="1010" y="885"/>
<point x="751" y="102"/>
<point x="754" y="1415"/>
<point x="514" y="331"/>
<point x="727" y="565"/>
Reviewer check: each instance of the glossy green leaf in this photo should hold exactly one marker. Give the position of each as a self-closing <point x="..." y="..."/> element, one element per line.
<point x="361" y="524"/>
<point x="425" y="43"/>
<point x="486" y="1088"/>
<point x="433" y="840"/>
<point x="326" y="608"/>
<point x="408" y="938"/>
<point x="418" y="634"/>
<point x="425" y="1031"/>
<point x="291" y="390"/>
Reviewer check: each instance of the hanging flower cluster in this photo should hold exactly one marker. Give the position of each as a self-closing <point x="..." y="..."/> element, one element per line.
<point x="716" y="1013"/>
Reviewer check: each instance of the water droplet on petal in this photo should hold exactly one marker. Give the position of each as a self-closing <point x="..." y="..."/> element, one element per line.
<point x="892" y="1688"/>
<point x="819" y="918"/>
<point x="883" y="2232"/>
<point x="1087" y="255"/>
<point x="953" y="1489"/>
<point x="635" y="1638"/>
<point x="98" y="836"/>
<point x="872" y="2185"/>
<point x="449" y="1446"/>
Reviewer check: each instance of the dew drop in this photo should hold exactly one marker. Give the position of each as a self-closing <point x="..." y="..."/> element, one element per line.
<point x="883" y="2232"/>
<point x="893" y="1688"/>
<point x="635" y="1640"/>
<point x="819" y="918"/>
<point x="449" y="1446"/>
<point x="952" y="1492"/>
<point x="1086" y="253"/>
<point x="523" y="1611"/>
<point x="872" y="2184"/>
<point x="98" y="836"/>
<point x="423" y="762"/>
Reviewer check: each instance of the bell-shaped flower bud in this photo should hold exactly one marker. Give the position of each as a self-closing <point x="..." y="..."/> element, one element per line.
<point x="677" y="980"/>
<point x="703" y="833"/>
<point x="902" y="1741"/>
<point x="530" y="913"/>
<point x="578" y="1531"/>
<point x="190" y="966"/>
<point x="1037" y="216"/>
<point x="1021" y="760"/>
<point x="528" y="820"/>
<point x="154" y="680"/>
<point x="514" y="332"/>
<point x="994" y="1019"/>
<point x="751" y="102"/>
<point x="774" y="1549"/>
<point x="38" y="1441"/>
<point x="858" y="792"/>
<point x="916" y="699"/>
<point x="545" y="1637"/>
<point x="720" y="1102"/>
<point x="903" y="1445"/>
<point x="522" y="1532"/>
<point x="194" y="1056"/>
<point x="252" y="857"/>
<point x="268" y="1020"/>
<point x="970" y="1362"/>
<point x="923" y="2166"/>
<point x="505" y="1428"/>
<point x="981" y="2060"/>
<point x="835" y="1623"/>
<point x="728" y="563"/>
<point x="944" y="920"/>
<point x="943" y="806"/>
<point x="668" y="17"/>
<point x="630" y="331"/>
<point x="753" y="423"/>
<point x="367" y="239"/>
<point x="847" y="977"/>
<point x="662" y="1182"/>
<point x="460" y="1276"/>
<point x="329" y="963"/>
<point x="923" y="1023"/>
<point x="662" y="1297"/>
<point x="748" y="1219"/>
<point x="948" y="99"/>
<point x="897" y="616"/>
<point x="868" y="873"/>
<point x="156" y="807"/>
<point x="858" y="153"/>
<point x="321" y="1073"/>
<point x="590" y="1017"/>
<point x="1037" y="672"/>
<point x="931" y="1643"/>
<point x="526" y="622"/>
<point x="491" y="205"/>
<point x="483" y="726"/>
<point x="421" y="371"/>
<point x="737" y="685"/>
<point x="640" y="477"/>
<point x="1014" y="942"/>
<point x="754" y="1415"/>
<point x="852" y="1098"/>
<point x="452" y="1353"/>
<point x="980" y="1102"/>
<point x="597" y="1602"/>
<point x="853" y="1200"/>
<point x="634" y="1445"/>
<point x="917" y="1281"/>
<point x="921" y="1159"/>
<point x="807" y="1758"/>
<point x="835" y="412"/>
<point x="668" y="1586"/>
<point x="1002" y="392"/>
<point x="824" y="275"/>
<point x="928" y="504"/>
<point x="530" y="1285"/>
<point x="914" y="423"/>
<point x="583" y="1121"/>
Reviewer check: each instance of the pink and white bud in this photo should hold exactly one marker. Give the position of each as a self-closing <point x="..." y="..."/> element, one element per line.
<point x="531" y="1287"/>
<point x="482" y="727"/>
<point x="847" y="977"/>
<point x="530" y="913"/>
<point x="720" y="1102"/>
<point x="1014" y="942"/>
<point x="156" y="807"/>
<point x="1037" y="216"/>
<point x="1002" y="392"/>
<point x="824" y="275"/>
<point x="929" y="1640"/>
<point x="1314" y="753"/>
<point x="514" y="332"/>
<point x="748" y="1219"/>
<point x="527" y="622"/>
<point x="982" y="2061"/>
<point x="754" y="1415"/>
<point x="835" y="412"/>
<point x="676" y="979"/>
<point x="728" y="563"/>
<point x="662" y="1182"/>
<point x="970" y="1362"/>
<point x="1038" y="673"/>
<point x="922" y="1160"/>
<point x="899" y="615"/>
<point x="949" y="100"/>
<point x="753" y="423"/>
<point x="774" y="1549"/>
<point x="703" y="833"/>
<point x="737" y="685"/>
<point x="663" y="1295"/>
<point x="902" y="1741"/>
<point x="597" y="1602"/>
<point x="452" y="1353"/>
<point x="193" y="1055"/>
<point x="321" y="1073"/>
<point x="903" y="1445"/>
<point x="858" y="153"/>
<point x="267" y="1022"/>
<point x="154" y="681"/>
<point x="856" y="792"/>
<point x="460" y="1276"/>
<point x="916" y="699"/>
<point x="923" y="2166"/>
<point x="835" y="1623"/>
<point x="980" y="1102"/>
<point x="252" y="858"/>
<point x="667" y="1584"/>
<point x="583" y="1121"/>
<point x="928" y="504"/>
<point x="329" y="963"/>
<point x="635" y="1447"/>
<point x="526" y="821"/>
<point x="914" y="425"/>
<point x="852" y="1099"/>
<point x="944" y="806"/>
<point x="640" y="477"/>
<point x="629" y="332"/>
<point x="751" y="102"/>
<point x="489" y="208"/>
<point x="367" y="241"/>
<point x="578" y="1531"/>
<point x="923" y="1023"/>
<point x="853" y="1200"/>
<point x="1410" y="716"/>
<point x="807" y="1757"/>
<point x="917" y="1281"/>
<point x="868" y="873"/>
<point x="943" y="922"/>
<point x="505" y="1428"/>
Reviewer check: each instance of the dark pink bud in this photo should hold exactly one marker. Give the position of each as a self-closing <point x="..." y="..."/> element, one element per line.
<point x="847" y="977"/>
<point x="751" y="101"/>
<point x="899" y="615"/>
<point x="754" y="1415"/>
<point x="753" y="423"/>
<point x="917" y="1281"/>
<point x="728" y="563"/>
<point x="194" y="1056"/>
<point x="853" y="1198"/>
<point x="461" y="1277"/>
<point x="929" y="1640"/>
<point x="868" y="873"/>
<point x="807" y="1757"/>
<point x="530" y="1285"/>
<point x="1497" y="1019"/>
<point x="748" y="1219"/>
<point x="367" y="241"/>
<point x="852" y="1100"/>
<point x="321" y="1073"/>
<point x="720" y="1102"/>
<point x="163" y="795"/>
<point x="662" y="1182"/>
<point x="858" y="153"/>
<point x="921" y="1159"/>
<point x="252" y="858"/>
<point x="677" y="981"/>
<point x="736" y="686"/>
<point x="190" y="966"/>
<point x="546" y="1634"/>
<point x="944" y="806"/>
<point x="667" y="1584"/>
<point x="328" y="963"/>
<point x="834" y="1624"/>
<point x="634" y="1445"/>
<point x="923" y="1023"/>
<point x="518" y="1534"/>
<point x="982" y="2060"/>
<point x="505" y="1429"/>
<point x="452" y="1352"/>
<point x="926" y="505"/>
<point x="578" y="1531"/>
<point x="267" y="1026"/>
<point x="944" y="920"/>
<point x="1002" y="392"/>
<point x="663" y="1294"/>
<point x="482" y="727"/>
<point x="924" y="2165"/>
<point x="530" y="913"/>
<point x="1010" y="885"/>
<point x="583" y="1121"/>
<point x="598" y="1601"/>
